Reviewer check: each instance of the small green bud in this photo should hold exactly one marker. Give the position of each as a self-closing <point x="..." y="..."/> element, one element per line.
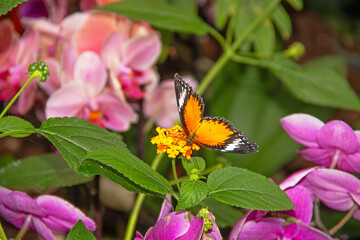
<point x="204" y="213"/>
<point x="295" y="51"/>
<point x="40" y="69"/>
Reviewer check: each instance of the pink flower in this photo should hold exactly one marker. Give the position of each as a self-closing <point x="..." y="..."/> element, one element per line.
<point x="160" y="102"/>
<point x="331" y="144"/>
<point x="262" y="225"/>
<point x="14" y="60"/>
<point x="45" y="214"/>
<point x="130" y="61"/>
<point x="174" y="225"/>
<point x="87" y="97"/>
<point x="336" y="189"/>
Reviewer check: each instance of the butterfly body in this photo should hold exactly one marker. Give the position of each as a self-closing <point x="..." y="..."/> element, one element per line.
<point x="214" y="133"/>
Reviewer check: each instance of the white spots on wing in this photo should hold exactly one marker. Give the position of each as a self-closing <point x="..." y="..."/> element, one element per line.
<point x="234" y="144"/>
<point x="182" y="98"/>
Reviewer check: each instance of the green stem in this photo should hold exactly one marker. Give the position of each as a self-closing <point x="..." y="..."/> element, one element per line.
<point x="205" y="172"/>
<point x="218" y="37"/>
<point x="34" y="75"/>
<point x="2" y="233"/>
<point x="352" y="211"/>
<point x="173" y="163"/>
<point x="228" y="53"/>
<point x="130" y="228"/>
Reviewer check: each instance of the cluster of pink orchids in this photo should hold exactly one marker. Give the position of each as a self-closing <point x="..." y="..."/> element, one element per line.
<point x="329" y="145"/>
<point x="102" y="66"/>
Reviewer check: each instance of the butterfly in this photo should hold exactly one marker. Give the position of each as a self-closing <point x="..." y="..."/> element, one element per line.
<point x="214" y="133"/>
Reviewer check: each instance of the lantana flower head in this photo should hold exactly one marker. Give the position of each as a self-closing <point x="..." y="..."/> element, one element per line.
<point x="45" y="214"/>
<point x="173" y="141"/>
<point x="331" y="144"/>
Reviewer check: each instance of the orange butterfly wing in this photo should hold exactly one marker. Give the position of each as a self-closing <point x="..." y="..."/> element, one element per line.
<point x="212" y="133"/>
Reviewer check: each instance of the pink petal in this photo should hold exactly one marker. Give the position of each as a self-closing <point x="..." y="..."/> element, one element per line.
<point x="28" y="47"/>
<point x="349" y="163"/>
<point x="141" y="52"/>
<point x="22" y="203"/>
<point x="43" y="26"/>
<point x="15" y="218"/>
<point x="333" y="187"/>
<point x="91" y="71"/>
<point x="67" y="101"/>
<point x="265" y="229"/>
<point x="165" y="207"/>
<point x="172" y="226"/>
<point x="111" y="51"/>
<point x="295" y="178"/>
<point x="303" y="128"/>
<point x="338" y="135"/>
<point x="41" y="228"/>
<point x="8" y="35"/>
<point x="303" y="201"/>
<point x="306" y="232"/>
<point x="195" y="230"/>
<point x="63" y="210"/>
<point x="27" y="98"/>
<point x="138" y="236"/>
<point x="118" y="115"/>
<point x="317" y="155"/>
<point x="91" y="35"/>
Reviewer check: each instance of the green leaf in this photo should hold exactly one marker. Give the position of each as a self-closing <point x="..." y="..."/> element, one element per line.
<point x="315" y="84"/>
<point x="7" y="5"/>
<point x="333" y="62"/>
<point x="243" y="188"/>
<point x="188" y="6"/>
<point x="222" y="11"/>
<point x="226" y="215"/>
<point x="75" y="138"/>
<point x="79" y="232"/>
<point x="159" y="15"/>
<point x="193" y="163"/>
<point x="191" y="193"/>
<point x="43" y="171"/>
<point x="264" y="39"/>
<point x="15" y="127"/>
<point x="133" y="168"/>
<point x="282" y="21"/>
<point x="296" y="4"/>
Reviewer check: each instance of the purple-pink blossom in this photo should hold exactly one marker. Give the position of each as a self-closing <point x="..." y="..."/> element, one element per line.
<point x="331" y="144"/>
<point x="178" y="225"/>
<point x="264" y="225"/>
<point x="45" y="214"/>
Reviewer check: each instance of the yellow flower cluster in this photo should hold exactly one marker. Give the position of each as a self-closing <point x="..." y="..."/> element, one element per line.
<point x="173" y="141"/>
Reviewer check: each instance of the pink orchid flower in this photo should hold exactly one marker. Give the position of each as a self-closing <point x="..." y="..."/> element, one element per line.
<point x="45" y="214"/>
<point x="262" y="225"/>
<point x="331" y="144"/>
<point x="174" y="225"/>
<point x="160" y="102"/>
<point x="87" y="97"/>
<point x="15" y="61"/>
<point x="130" y="61"/>
<point x="336" y="189"/>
